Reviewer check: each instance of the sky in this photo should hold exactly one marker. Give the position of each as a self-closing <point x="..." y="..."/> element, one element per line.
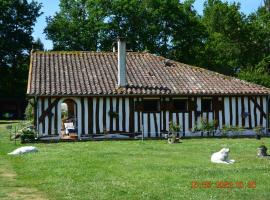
<point x="49" y="7"/>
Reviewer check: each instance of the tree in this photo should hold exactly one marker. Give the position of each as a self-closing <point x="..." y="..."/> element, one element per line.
<point x="78" y="24"/>
<point x="167" y="28"/>
<point x="225" y="25"/>
<point x="259" y="74"/>
<point x="17" y="18"/>
<point x="38" y="45"/>
<point x="258" y="45"/>
<point x="188" y="34"/>
<point x="257" y="53"/>
<point x="267" y="5"/>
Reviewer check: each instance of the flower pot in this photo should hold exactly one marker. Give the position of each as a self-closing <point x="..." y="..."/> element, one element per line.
<point x="172" y="139"/>
<point x="262" y="151"/>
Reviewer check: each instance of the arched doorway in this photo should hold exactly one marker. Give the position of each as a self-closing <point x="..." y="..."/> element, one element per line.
<point x="69" y="113"/>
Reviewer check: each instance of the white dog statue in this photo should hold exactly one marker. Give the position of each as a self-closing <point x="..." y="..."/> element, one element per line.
<point x="23" y="150"/>
<point x="222" y="157"/>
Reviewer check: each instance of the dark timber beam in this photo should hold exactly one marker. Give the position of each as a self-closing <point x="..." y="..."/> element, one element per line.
<point x="259" y="107"/>
<point x="35" y="111"/>
<point x="48" y="111"/>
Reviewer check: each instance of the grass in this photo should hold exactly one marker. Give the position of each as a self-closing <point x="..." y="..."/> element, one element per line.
<point x="132" y="170"/>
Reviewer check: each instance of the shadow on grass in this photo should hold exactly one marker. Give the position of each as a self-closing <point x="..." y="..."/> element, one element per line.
<point x="8" y="122"/>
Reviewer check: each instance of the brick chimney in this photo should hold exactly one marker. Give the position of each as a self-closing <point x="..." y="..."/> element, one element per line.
<point x="122" y="79"/>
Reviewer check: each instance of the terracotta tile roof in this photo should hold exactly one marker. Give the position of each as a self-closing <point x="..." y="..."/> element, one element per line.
<point x="94" y="73"/>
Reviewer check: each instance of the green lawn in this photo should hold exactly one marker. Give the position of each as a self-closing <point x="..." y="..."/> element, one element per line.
<point x="132" y="170"/>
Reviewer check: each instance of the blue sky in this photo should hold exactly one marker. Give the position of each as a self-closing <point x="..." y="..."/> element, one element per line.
<point x="51" y="6"/>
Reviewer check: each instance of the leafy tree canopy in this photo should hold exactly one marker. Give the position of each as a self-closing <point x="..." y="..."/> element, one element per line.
<point x="17" y="18"/>
<point x="162" y="27"/>
<point x="259" y="74"/>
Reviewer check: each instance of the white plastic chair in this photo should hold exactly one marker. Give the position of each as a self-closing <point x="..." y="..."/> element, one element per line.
<point x="69" y="127"/>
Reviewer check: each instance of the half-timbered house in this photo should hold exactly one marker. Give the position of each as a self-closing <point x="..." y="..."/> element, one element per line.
<point x="130" y="93"/>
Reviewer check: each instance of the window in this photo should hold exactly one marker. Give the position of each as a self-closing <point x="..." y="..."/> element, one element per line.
<point x="180" y="105"/>
<point x="206" y="105"/>
<point x="151" y="105"/>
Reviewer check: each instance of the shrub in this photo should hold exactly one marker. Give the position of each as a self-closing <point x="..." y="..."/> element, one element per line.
<point x="29" y="112"/>
<point x="174" y="127"/>
<point x="235" y="130"/>
<point x="258" y="130"/>
<point x="7" y="115"/>
<point x="205" y="126"/>
<point x="28" y="135"/>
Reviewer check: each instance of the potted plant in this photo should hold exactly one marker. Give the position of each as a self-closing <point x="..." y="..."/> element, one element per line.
<point x="236" y="130"/>
<point x="205" y="126"/>
<point x="224" y="130"/>
<point x="196" y="128"/>
<point x="28" y="135"/>
<point x="210" y="127"/>
<point x="173" y="130"/>
<point x="262" y="151"/>
<point x="258" y="130"/>
<point x="228" y="130"/>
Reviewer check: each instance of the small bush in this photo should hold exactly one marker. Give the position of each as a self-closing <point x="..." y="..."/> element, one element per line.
<point x="29" y="112"/>
<point x="235" y="130"/>
<point x="28" y="135"/>
<point x="205" y="126"/>
<point x="258" y="130"/>
<point x="174" y="127"/>
<point x="7" y="115"/>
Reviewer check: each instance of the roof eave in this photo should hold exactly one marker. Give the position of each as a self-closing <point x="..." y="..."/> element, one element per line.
<point x="139" y="95"/>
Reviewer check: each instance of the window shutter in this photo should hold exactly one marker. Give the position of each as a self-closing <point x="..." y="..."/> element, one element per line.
<point x="166" y="106"/>
<point x="139" y="106"/>
<point x="191" y="105"/>
<point x="217" y="104"/>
